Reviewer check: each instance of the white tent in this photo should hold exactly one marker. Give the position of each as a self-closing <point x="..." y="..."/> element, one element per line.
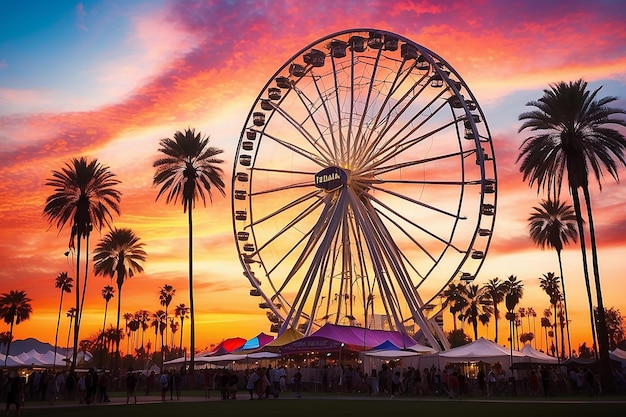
<point x="533" y="355"/>
<point x="619" y="355"/>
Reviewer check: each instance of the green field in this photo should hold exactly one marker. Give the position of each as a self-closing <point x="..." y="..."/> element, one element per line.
<point x="318" y="405"/>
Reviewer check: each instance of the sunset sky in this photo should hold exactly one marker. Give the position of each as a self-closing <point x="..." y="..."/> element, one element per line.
<point x="108" y="79"/>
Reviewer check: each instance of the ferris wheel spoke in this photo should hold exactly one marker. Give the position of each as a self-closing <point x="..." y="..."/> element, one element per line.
<point x="329" y="223"/>
<point x="298" y="150"/>
<point x="375" y="137"/>
<point x="419" y="203"/>
<point x="390" y="168"/>
<point x="312" y="109"/>
<point x="412" y="223"/>
<point x="401" y="143"/>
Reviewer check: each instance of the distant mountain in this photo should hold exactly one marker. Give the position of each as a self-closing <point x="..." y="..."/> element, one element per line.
<point x="26" y="345"/>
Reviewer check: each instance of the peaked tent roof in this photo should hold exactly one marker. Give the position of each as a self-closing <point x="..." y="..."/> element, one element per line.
<point x="257" y="342"/>
<point x="361" y="337"/>
<point x="481" y="350"/>
<point x="386" y="345"/>
<point x="227" y="346"/>
<point x="533" y="355"/>
<point x="288" y="336"/>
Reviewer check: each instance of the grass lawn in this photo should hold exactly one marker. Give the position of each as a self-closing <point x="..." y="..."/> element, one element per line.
<point x="318" y="405"/>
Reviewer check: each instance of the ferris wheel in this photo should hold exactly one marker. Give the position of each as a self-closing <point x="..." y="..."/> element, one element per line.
<point x="364" y="183"/>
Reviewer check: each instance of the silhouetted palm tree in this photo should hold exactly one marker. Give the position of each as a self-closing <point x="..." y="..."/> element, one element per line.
<point x="127" y="319"/>
<point x="553" y="224"/>
<point x="166" y="293"/>
<point x="188" y="171"/>
<point x="550" y="284"/>
<point x="159" y="322"/>
<point x="513" y="292"/>
<point x="108" y="292"/>
<point x="573" y="138"/>
<point x="143" y="318"/>
<point x="85" y="196"/>
<point x="478" y="305"/>
<point x="182" y="312"/>
<point x="14" y="308"/>
<point x="65" y="284"/>
<point x="71" y="314"/>
<point x="119" y="254"/>
<point x="454" y="297"/>
<point x="495" y="289"/>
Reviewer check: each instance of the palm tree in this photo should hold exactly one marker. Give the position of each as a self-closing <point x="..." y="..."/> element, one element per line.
<point x="546" y="324"/>
<point x="166" y="293"/>
<point x="142" y="317"/>
<point x="71" y="314"/>
<point x="182" y="312"/>
<point x="495" y="288"/>
<point x="513" y="290"/>
<point x="478" y="305"/>
<point x="530" y="312"/>
<point x="553" y="224"/>
<point x="127" y="319"/>
<point x="14" y="308"/>
<point x="65" y="284"/>
<point x="85" y="196"/>
<point x="159" y="322"/>
<point x="454" y="296"/>
<point x="189" y="171"/>
<point x="119" y="254"/>
<point x="107" y="293"/>
<point x="549" y="283"/>
<point x="573" y="138"/>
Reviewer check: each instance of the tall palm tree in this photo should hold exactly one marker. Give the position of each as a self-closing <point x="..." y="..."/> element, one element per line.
<point x="495" y="288"/>
<point x="119" y="254"/>
<point x="85" y="196"/>
<point x="575" y="136"/>
<point x="127" y="319"/>
<point x="143" y="318"/>
<point x="188" y="171"/>
<point x="549" y="283"/>
<point x="65" y="284"/>
<point x="71" y="314"/>
<point x="478" y="306"/>
<point x="166" y="293"/>
<point x="107" y="292"/>
<point x="546" y="324"/>
<point x="513" y="292"/>
<point x="182" y="312"/>
<point x="553" y="224"/>
<point x="14" y="308"/>
<point x="454" y="297"/>
<point x="159" y="322"/>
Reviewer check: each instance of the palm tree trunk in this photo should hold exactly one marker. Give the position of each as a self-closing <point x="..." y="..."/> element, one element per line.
<point x="117" y="330"/>
<point x="82" y="301"/>
<point x="78" y="308"/>
<point x="192" y="327"/>
<point x="581" y="237"/>
<point x="56" y="334"/>
<point x="495" y="317"/>
<point x="556" y="334"/>
<point x="606" y="373"/>
<point x="9" y="342"/>
<point x="180" y="346"/>
<point x="569" y="342"/>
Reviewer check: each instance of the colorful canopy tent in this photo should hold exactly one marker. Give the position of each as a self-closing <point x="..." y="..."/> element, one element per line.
<point x="386" y="345"/>
<point x="288" y="336"/>
<point x="227" y="346"/>
<point x="256" y="342"/>
<point x="332" y="337"/>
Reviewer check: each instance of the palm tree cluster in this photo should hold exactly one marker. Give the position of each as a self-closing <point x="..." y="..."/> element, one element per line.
<point x="573" y="136"/>
<point x="86" y="196"/>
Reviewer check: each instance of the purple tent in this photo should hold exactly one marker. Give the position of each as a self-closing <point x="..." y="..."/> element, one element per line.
<point x="330" y="337"/>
